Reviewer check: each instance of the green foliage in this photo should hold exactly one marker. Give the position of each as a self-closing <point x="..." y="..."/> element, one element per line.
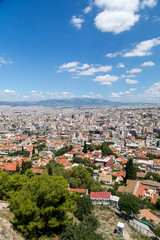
<point x="62" y="151"/>
<point x="130" y="170"/>
<point x="26" y="165"/>
<point x="83" y="161"/>
<point x="55" y="168"/>
<point x="79" y="177"/>
<point x="19" y="153"/>
<point x="153" y="176"/>
<point x="158" y="204"/>
<point x="157" y="231"/>
<point x="83" y="231"/>
<point x="129" y="204"/>
<point x="91" y="147"/>
<point x="85" y="207"/>
<point x="106" y="151"/>
<point x="40" y="147"/>
<point x="85" y="147"/>
<point x="9" y="184"/>
<point x="42" y="206"/>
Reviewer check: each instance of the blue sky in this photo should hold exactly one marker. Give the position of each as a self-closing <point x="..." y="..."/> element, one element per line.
<point x="107" y="49"/>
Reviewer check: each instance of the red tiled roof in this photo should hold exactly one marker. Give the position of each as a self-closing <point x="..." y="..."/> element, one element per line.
<point x="100" y="195"/>
<point x="148" y="215"/>
<point x="78" y="190"/>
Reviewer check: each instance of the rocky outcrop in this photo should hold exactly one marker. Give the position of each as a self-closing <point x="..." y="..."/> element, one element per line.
<point x="7" y="232"/>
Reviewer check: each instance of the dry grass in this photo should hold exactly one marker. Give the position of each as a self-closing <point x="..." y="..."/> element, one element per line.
<point x="108" y="222"/>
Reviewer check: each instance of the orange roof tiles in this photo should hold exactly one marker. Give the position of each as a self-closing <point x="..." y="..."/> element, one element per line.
<point x="149" y="216"/>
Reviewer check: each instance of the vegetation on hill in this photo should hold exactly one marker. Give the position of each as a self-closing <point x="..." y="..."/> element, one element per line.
<point x="131" y="170"/>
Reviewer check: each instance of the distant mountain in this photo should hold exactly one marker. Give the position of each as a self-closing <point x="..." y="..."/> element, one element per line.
<point x="68" y="102"/>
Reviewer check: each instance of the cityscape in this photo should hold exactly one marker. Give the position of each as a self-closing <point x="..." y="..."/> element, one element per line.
<point x="80" y="120"/>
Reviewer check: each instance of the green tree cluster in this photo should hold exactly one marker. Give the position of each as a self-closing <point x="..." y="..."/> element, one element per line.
<point x="79" y="177"/>
<point x="85" y="207"/>
<point x="55" y="169"/>
<point x="42" y="206"/>
<point x="129" y="204"/>
<point x="62" y="151"/>
<point x="106" y="151"/>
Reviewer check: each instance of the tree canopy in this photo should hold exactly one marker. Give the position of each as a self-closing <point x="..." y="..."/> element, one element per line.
<point x="79" y="177"/>
<point x="130" y="170"/>
<point x="106" y="151"/>
<point x="85" y="207"/>
<point x="129" y="204"/>
<point x="42" y="206"/>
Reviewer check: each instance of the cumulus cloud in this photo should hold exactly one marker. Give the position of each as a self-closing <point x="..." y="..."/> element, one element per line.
<point x="106" y="80"/>
<point x="77" y="22"/>
<point x="143" y="48"/>
<point x="117" y="15"/>
<point x="118" y="95"/>
<point x="148" y="64"/>
<point x="87" y="9"/>
<point x="149" y="3"/>
<point x="131" y="81"/>
<point x="9" y="91"/>
<point x="83" y="69"/>
<point x="152" y="93"/>
<point x="69" y="65"/>
<point x="120" y="65"/>
<point x="93" y="70"/>
<point x="135" y="70"/>
<point x="112" y="55"/>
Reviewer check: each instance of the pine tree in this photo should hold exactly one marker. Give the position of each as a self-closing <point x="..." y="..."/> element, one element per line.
<point x="130" y="170"/>
<point x="85" y="147"/>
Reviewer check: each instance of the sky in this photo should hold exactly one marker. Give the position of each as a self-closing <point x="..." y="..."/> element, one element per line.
<point x="62" y="49"/>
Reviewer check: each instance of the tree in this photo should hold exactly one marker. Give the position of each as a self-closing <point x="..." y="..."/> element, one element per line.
<point x="106" y="151"/>
<point x="50" y="171"/>
<point x="79" y="177"/>
<point x="85" y="147"/>
<point x="130" y="170"/>
<point x="85" y="207"/>
<point x="26" y="165"/>
<point x="83" y="231"/>
<point x="42" y="206"/>
<point x="129" y="204"/>
<point x="158" y="204"/>
<point x="55" y="168"/>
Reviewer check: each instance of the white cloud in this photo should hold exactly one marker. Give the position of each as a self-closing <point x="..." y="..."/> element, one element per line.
<point x="9" y="91"/>
<point x="93" y="70"/>
<point x="115" y="95"/>
<point x="143" y="48"/>
<point x="69" y="65"/>
<point x="135" y="70"/>
<point x="77" y="22"/>
<point x="84" y="66"/>
<point x="118" y="95"/>
<point x="92" y="95"/>
<point x="117" y="15"/>
<point x="120" y="65"/>
<point x="106" y="80"/>
<point x="148" y="64"/>
<point x="131" y="81"/>
<point x="112" y="55"/>
<point x="87" y="9"/>
<point x="156" y="19"/>
<point x="149" y="3"/>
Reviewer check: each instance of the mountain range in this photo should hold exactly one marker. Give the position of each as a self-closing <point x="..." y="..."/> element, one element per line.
<point x="67" y="102"/>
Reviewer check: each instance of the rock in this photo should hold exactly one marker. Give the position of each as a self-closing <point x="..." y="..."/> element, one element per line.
<point x="7" y="232"/>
